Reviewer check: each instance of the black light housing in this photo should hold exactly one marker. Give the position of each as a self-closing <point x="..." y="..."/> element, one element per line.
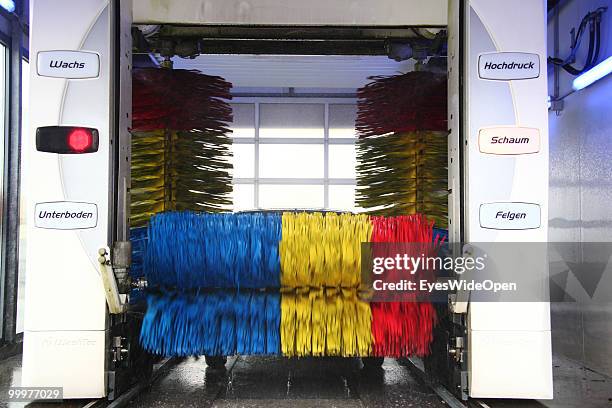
<point x="67" y="139"/>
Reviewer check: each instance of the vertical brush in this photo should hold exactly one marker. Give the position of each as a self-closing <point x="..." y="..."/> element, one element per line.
<point x="401" y="150"/>
<point x="180" y="142"/>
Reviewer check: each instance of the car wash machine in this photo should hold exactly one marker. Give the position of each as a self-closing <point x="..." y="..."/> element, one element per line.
<point x="82" y="329"/>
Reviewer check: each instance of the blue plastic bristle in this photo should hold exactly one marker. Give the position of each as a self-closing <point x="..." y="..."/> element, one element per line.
<point x="257" y="324"/>
<point x="273" y="319"/>
<point x="198" y="250"/>
<point x="225" y="311"/>
<point x="243" y="325"/>
<point x="139" y="239"/>
<point x="440" y="234"/>
<point x="271" y="236"/>
<point x="215" y="323"/>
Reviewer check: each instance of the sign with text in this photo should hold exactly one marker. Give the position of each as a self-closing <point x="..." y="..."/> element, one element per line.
<point x="66" y="215"/>
<point x="505" y="66"/>
<point x="509" y="140"/>
<point x="510" y="216"/>
<point x="68" y="64"/>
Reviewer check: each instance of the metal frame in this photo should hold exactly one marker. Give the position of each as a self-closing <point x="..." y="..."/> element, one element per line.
<point x="11" y="174"/>
<point x="6" y="42"/>
<point x="121" y="121"/>
<point x="326" y="141"/>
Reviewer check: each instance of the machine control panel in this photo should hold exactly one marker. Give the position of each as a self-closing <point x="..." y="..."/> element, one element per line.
<point x="507" y="66"/>
<point x="510" y="216"/>
<point x="509" y="140"/>
<point x="68" y="64"/>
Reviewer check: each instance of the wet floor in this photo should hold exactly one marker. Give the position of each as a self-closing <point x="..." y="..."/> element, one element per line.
<point x="282" y="382"/>
<point x="10" y="376"/>
<point x="318" y="382"/>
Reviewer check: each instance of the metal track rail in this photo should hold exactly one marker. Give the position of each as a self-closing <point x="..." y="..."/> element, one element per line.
<point x="416" y="367"/>
<point x="124" y="399"/>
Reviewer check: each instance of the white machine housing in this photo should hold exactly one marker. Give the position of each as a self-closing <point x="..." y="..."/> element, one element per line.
<point x="504" y="54"/>
<point x="66" y="340"/>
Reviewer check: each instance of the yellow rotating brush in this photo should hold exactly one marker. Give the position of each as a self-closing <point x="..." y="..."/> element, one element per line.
<point x="404" y="173"/>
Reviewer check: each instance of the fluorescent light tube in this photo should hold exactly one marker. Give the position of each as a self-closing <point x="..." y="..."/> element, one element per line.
<point x="8" y="5"/>
<point x="596" y="73"/>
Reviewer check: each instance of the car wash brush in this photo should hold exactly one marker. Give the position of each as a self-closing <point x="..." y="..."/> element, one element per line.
<point x="180" y="143"/>
<point x="266" y="283"/>
<point x="402" y="146"/>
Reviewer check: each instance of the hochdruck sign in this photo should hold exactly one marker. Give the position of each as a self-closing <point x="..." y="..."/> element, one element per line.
<point x="505" y="66"/>
<point x="66" y="215"/>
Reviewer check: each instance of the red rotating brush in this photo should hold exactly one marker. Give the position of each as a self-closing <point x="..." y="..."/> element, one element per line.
<point x="403" y="328"/>
<point x="178" y="99"/>
<point x="402" y="103"/>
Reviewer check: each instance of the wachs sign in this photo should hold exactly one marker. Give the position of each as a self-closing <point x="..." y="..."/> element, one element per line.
<point x="68" y="64"/>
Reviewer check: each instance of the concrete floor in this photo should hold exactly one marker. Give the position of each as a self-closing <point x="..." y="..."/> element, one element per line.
<point x="328" y="382"/>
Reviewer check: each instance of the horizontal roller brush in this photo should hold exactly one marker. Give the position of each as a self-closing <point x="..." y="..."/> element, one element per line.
<point x="190" y="250"/>
<point x="218" y="285"/>
<point x="216" y="323"/>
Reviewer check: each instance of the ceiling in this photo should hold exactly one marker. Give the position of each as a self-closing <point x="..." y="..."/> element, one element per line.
<point x="261" y="71"/>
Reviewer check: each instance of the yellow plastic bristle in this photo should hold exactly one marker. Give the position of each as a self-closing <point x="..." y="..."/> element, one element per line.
<point x="332" y="322"/>
<point x="288" y="323"/>
<point x="319" y="250"/>
<point x="333" y="319"/>
<point x="404" y="173"/>
<point x="303" y="327"/>
<point x="317" y="302"/>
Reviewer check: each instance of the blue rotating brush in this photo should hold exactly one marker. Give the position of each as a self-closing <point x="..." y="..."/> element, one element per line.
<point x="215" y="323"/>
<point x="189" y="250"/>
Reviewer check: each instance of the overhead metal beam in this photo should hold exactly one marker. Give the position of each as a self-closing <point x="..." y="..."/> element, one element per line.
<point x="267" y="47"/>
<point x="188" y="41"/>
<point x="280" y="32"/>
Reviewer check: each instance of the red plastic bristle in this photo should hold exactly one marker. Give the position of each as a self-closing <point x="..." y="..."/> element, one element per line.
<point x="402" y="103"/>
<point x="403" y="328"/>
<point x="180" y="100"/>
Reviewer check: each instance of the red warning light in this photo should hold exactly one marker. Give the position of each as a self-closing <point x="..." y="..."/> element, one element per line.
<point x="80" y="140"/>
<point x="67" y="139"/>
